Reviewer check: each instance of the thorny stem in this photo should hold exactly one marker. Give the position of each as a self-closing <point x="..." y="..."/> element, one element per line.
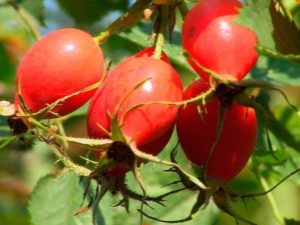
<point x="101" y="143"/>
<point x="160" y="39"/>
<point x="133" y="12"/>
<point x="25" y="17"/>
<point x="79" y="170"/>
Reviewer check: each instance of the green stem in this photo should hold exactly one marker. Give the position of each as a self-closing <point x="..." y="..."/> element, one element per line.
<point x="98" y="144"/>
<point x="202" y="99"/>
<point x="62" y="131"/>
<point x="56" y="148"/>
<point x="37" y="124"/>
<point x="144" y="157"/>
<point x="25" y="17"/>
<point x="160" y="38"/>
<point x="7" y="141"/>
<point x="272" y="201"/>
<point x="132" y="13"/>
<point x="68" y="163"/>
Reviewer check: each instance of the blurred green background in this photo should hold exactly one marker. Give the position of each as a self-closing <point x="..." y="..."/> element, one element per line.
<point x="24" y="162"/>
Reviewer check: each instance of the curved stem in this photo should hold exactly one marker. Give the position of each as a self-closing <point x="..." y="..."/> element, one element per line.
<point x="202" y="99"/>
<point x="144" y="157"/>
<point x="160" y="38"/>
<point x="272" y="201"/>
<point x="119" y="23"/>
<point x="7" y="142"/>
<point x="219" y="128"/>
<point x="25" y="17"/>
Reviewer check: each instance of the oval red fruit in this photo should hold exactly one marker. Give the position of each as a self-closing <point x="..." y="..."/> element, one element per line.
<point x="202" y="14"/>
<point x="197" y="133"/>
<point x="144" y="125"/>
<point x="224" y="47"/>
<point x="61" y="63"/>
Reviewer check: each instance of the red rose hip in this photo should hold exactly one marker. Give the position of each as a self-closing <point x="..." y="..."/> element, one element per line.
<point x="61" y="63"/>
<point x="214" y="41"/>
<point x="149" y="125"/>
<point x="197" y="133"/>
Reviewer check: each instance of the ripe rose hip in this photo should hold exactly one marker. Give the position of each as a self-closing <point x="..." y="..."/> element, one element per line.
<point x="149" y="126"/>
<point x="202" y="14"/>
<point x="226" y="48"/>
<point x="197" y="133"/>
<point x="213" y="40"/>
<point x="61" y="63"/>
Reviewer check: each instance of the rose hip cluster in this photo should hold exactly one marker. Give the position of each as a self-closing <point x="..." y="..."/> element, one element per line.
<point x="215" y="42"/>
<point x="144" y="94"/>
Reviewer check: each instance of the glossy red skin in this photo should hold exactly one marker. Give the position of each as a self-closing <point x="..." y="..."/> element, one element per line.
<point x="152" y="148"/>
<point x="201" y="15"/>
<point x="147" y="124"/>
<point x="224" y="47"/>
<point x="197" y="134"/>
<point x="61" y="63"/>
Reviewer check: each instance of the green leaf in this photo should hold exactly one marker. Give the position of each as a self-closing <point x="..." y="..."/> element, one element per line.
<point x="266" y="157"/>
<point x="276" y="71"/>
<point x="55" y="200"/>
<point x="87" y="12"/>
<point x="274" y="30"/>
